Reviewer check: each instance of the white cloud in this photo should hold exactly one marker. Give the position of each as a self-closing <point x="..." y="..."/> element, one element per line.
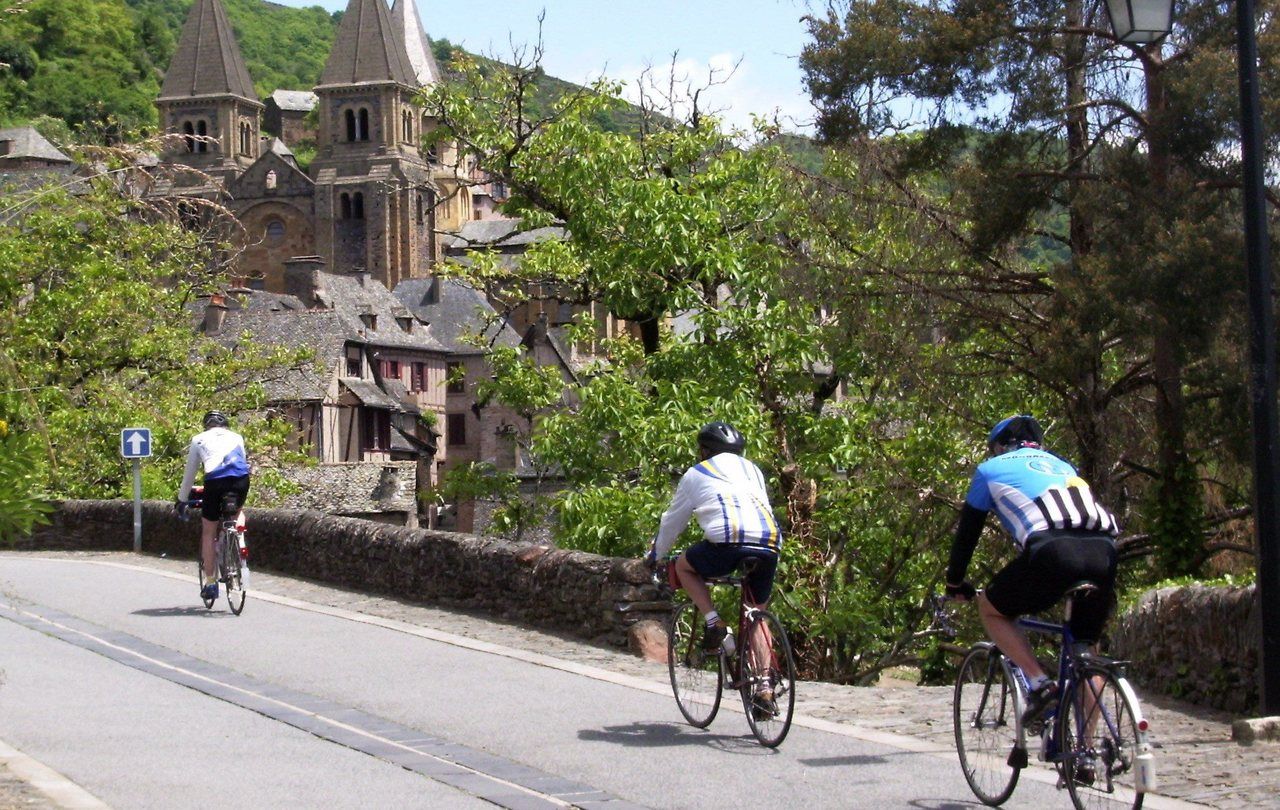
<point x="726" y="85"/>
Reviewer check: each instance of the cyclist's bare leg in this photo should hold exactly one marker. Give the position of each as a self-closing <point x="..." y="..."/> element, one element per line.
<point x="693" y="585"/>
<point x="1009" y="638"/>
<point x="208" y="531"/>
<point x="761" y="642"/>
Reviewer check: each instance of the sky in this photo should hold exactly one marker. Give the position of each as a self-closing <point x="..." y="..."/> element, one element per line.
<point x="584" y="39"/>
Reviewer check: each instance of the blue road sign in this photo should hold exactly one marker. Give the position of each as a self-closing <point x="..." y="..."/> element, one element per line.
<point x="135" y="442"/>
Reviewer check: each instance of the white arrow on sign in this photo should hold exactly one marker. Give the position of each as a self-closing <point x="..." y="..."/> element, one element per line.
<point x="135" y="442"/>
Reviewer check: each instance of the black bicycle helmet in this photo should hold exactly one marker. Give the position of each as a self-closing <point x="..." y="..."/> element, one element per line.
<point x="721" y="437"/>
<point x="214" y="419"/>
<point x="1013" y="432"/>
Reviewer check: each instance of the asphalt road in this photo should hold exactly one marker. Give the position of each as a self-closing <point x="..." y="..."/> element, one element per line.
<point x="119" y="679"/>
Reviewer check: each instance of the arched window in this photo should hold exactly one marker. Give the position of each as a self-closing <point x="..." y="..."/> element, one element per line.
<point x="246" y="133"/>
<point x="406" y="122"/>
<point x="357" y="206"/>
<point x="346" y="206"/>
<point x="420" y="212"/>
<point x="202" y="130"/>
<point x="189" y="135"/>
<point x="270" y="179"/>
<point x="351" y="125"/>
<point x="362" y="125"/>
<point x="275" y="231"/>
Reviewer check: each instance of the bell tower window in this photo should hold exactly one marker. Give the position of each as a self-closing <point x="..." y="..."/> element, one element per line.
<point x="350" y="117"/>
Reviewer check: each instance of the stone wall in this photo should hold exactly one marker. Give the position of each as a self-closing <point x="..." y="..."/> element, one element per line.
<point x="1195" y="643"/>
<point x="585" y="595"/>
<point x="355" y="488"/>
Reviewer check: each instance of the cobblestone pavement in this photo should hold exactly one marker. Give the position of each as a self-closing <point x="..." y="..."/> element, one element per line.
<point x="1197" y="760"/>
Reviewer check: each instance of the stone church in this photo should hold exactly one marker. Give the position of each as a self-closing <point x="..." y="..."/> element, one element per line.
<point x="374" y="200"/>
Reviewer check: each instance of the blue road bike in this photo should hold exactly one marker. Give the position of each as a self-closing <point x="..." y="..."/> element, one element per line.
<point x="1094" y="734"/>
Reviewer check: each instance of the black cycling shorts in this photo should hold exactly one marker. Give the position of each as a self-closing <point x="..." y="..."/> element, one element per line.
<point x="211" y="500"/>
<point x="1049" y="565"/>
<point x="721" y="559"/>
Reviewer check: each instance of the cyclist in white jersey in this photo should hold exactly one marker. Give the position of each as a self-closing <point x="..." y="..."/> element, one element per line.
<point x="727" y="494"/>
<point x="219" y="453"/>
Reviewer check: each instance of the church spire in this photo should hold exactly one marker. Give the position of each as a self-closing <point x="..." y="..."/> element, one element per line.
<point x="409" y="30"/>
<point x="366" y="49"/>
<point x="207" y="60"/>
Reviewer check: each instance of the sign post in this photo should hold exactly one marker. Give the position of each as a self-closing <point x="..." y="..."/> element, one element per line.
<point x="135" y="444"/>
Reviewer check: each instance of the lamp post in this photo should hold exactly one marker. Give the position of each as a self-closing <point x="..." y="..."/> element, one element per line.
<point x="1139" y="23"/>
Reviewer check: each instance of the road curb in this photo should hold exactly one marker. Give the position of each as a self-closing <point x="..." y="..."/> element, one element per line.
<point x="57" y="788"/>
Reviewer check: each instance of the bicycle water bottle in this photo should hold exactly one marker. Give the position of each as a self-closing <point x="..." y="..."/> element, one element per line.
<point x="1145" y="769"/>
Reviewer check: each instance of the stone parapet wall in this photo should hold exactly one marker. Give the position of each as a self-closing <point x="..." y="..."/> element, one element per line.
<point x="585" y="595"/>
<point x="363" y="487"/>
<point x="1196" y="643"/>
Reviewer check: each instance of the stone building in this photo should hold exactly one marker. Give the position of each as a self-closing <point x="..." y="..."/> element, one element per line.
<point x="284" y="115"/>
<point x="372" y="198"/>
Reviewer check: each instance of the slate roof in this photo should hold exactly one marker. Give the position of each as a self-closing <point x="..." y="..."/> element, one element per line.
<point x="26" y="143"/>
<point x="351" y="299"/>
<point x="207" y="60"/>
<point x="408" y="26"/>
<point x="322" y="331"/>
<point x="368" y="392"/>
<point x="295" y="100"/>
<point x="459" y="310"/>
<point x="366" y="48"/>
<point x="500" y="234"/>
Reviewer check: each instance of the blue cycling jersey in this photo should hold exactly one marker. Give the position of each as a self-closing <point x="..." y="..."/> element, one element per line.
<point x="1031" y="490"/>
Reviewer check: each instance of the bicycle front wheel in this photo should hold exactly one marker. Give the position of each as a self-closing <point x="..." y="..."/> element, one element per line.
<point x="208" y="603"/>
<point x="231" y="573"/>
<point x="1098" y="728"/>
<point x="768" y="679"/>
<point x="986" y="725"/>
<point x="695" y="673"/>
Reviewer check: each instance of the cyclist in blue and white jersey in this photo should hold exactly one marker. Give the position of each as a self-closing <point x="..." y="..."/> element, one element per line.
<point x="728" y="496"/>
<point x="218" y="452"/>
<point x="1063" y="536"/>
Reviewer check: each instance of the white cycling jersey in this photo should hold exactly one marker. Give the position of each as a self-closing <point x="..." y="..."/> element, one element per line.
<point x="727" y="494"/>
<point x="219" y="452"/>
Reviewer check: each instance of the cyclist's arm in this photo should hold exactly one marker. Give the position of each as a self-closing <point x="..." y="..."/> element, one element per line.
<point x="966" y="540"/>
<point x="189" y="477"/>
<point x="675" y="518"/>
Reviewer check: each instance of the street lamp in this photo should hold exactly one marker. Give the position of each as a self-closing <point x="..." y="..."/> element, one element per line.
<point x="1142" y="22"/>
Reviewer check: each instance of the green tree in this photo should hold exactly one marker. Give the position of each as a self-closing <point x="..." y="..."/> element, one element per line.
<point x="746" y="306"/>
<point x="1037" y="124"/>
<point x="98" y="334"/>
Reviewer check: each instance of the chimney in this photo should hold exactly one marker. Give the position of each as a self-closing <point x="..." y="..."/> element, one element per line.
<point x="361" y="275"/>
<point x="302" y="279"/>
<point x="215" y="313"/>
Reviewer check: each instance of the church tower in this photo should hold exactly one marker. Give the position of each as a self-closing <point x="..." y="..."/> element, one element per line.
<point x="374" y="197"/>
<point x="208" y="98"/>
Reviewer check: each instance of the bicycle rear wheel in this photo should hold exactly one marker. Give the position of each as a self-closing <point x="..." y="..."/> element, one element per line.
<point x="1098" y="728"/>
<point x="231" y="574"/>
<point x="768" y="679"/>
<point x="695" y="674"/>
<point x="986" y="725"/>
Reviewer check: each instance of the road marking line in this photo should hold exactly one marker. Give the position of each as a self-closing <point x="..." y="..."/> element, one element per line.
<point x="886" y="738"/>
<point x="37" y="619"/>
<point x="58" y="788"/>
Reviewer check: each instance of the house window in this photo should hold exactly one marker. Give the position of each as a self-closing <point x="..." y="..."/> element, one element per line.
<point x="455" y="375"/>
<point x="353" y="363"/>
<point x="375" y="429"/>
<point x="418" y="377"/>
<point x="258" y="283"/>
<point x="275" y="231"/>
<point x="390" y="369"/>
<point x="369" y="320"/>
<point x="456" y="429"/>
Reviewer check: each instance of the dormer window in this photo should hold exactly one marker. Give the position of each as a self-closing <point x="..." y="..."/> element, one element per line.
<point x="369" y="320"/>
<point x="406" y="323"/>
